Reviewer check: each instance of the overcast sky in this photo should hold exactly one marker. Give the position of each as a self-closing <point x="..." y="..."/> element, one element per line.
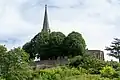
<point x="97" y="20"/>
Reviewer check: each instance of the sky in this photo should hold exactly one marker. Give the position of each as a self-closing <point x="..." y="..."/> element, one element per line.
<point x="97" y="20"/>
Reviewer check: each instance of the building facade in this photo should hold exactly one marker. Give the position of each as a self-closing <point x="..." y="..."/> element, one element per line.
<point x="96" y="53"/>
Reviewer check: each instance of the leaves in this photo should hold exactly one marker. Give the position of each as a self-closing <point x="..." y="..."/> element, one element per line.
<point x="87" y="62"/>
<point x="14" y="64"/>
<point x="55" y="44"/>
<point x="74" y="44"/>
<point x="29" y="48"/>
<point x="107" y="71"/>
<point x="114" y="49"/>
<point x="38" y="45"/>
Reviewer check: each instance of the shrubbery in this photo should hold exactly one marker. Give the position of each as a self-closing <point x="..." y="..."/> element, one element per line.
<point x="14" y="64"/>
<point x="61" y="72"/>
<point x="66" y="73"/>
<point x="87" y="62"/>
<point x="107" y="71"/>
<point x="110" y="69"/>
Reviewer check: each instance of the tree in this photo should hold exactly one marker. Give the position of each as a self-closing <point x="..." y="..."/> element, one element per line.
<point x="14" y="64"/>
<point x="39" y="46"/>
<point x="46" y="45"/>
<point x="114" y="49"/>
<point x="42" y="45"/>
<point x="55" y="44"/>
<point x="74" y="44"/>
<point x="29" y="48"/>
<point x="49" y="45"/>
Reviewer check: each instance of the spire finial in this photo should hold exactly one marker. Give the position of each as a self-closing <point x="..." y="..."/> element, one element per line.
<point x="45" y="5"/>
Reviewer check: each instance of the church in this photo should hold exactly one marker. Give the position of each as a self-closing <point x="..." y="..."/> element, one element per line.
<point x="96" y="53"/>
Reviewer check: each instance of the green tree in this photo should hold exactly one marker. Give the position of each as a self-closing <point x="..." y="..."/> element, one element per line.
<point x="14" y="64"/>
<point x="42" y="45"/>
<point x="114" y="49"/>
<point x="39" y="46"/>
<point x="29" y="48"/>
<point x="49" y="45"/>
<point x="74" y="44"/>
<point x="55" y="44"/>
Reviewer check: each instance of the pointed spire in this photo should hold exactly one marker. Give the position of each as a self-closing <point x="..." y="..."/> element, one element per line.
<point x="45" y="22"/>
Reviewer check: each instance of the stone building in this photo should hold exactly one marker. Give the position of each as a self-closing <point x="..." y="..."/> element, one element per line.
<point x="97" y="53"/>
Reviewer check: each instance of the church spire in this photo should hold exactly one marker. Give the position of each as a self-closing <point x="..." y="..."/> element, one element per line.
<point x="45" y="22"/>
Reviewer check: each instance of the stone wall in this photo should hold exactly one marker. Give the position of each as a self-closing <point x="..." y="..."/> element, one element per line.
<point x="97" y="53"/>
<point x="50" y="63"/>
<point x="61" y="61"/>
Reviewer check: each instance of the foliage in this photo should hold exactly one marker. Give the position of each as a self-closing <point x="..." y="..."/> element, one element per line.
<point x="114" y="49"/>
<point x="114" y="64"/>
<point x="39" y="45"/>
<point x="60" y="73"/>
<point x="55" y="44"/>
<point x="87" y="62"/>
<point x="107" y="71"/>
<point x="14" y="64"/>
<point x="93" y="65"/>
<point x="66" y="73"/>
<point x="76" y="61"/>
<point x="42" y="45"/>
<point x="74" y="44"/>
<point x="29" y="48"/>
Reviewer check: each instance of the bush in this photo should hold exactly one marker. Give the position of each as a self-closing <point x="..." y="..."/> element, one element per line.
<point x="66" y="73"/>
<point x="107" y="71"/>
<point x="60" y="73"/>
<point x="114" y="64"/>
<point x="76" y="61"/>
<point x="14" y="64"/>
<point x="87" y="62"/>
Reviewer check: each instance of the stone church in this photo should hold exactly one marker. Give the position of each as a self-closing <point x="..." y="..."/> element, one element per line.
<point x="96" y="53"/>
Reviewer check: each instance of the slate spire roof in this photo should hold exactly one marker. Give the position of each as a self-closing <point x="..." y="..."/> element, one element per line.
<point x="45" y="22"/>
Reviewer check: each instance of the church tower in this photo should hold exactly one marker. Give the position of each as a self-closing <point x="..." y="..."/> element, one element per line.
<point x="45" y="22"/>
